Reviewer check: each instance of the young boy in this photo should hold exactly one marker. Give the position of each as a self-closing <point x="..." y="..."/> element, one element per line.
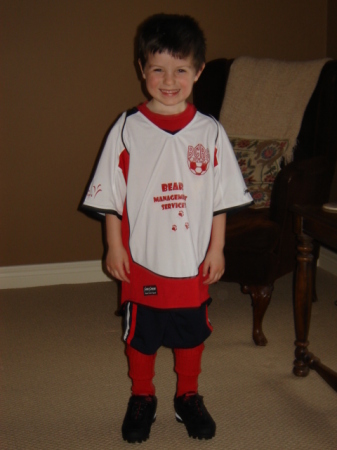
<point x="164" y="181"/>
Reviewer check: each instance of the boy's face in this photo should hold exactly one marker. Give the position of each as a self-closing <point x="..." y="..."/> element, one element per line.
<point x="169" y="81"/>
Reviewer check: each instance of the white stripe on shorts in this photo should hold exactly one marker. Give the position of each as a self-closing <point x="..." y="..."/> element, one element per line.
<point x="127" y="321"/>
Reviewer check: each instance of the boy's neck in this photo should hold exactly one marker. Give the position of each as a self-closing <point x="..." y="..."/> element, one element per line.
<point x="157" y="108"/>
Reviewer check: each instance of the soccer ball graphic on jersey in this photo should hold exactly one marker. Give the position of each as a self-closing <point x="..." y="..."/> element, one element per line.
<point x="198" y="159"/>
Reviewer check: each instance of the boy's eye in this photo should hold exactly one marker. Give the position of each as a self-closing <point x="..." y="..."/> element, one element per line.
<point x="181" y="70"/>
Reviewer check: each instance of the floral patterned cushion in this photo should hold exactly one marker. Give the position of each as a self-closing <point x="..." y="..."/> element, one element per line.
<point x="260" y="161"/>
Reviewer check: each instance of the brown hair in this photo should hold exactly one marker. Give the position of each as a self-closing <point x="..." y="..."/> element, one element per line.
<point x="178" y="35"/>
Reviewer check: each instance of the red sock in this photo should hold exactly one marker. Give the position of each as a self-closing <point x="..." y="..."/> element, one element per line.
<point x="141" y="371"/>
<point x="188" y="368"/>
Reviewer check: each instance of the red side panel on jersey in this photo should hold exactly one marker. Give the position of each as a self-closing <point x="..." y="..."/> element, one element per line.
<point x="124" y="161"/>
<point x="215" y="157"/>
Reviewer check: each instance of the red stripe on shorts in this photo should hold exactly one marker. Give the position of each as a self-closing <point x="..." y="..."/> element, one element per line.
<point x="207" y="321"/>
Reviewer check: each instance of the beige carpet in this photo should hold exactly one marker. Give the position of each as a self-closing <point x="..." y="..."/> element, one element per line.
<point x="64" y="378"/>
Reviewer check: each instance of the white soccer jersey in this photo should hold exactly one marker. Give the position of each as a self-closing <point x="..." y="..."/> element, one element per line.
<point x="173" y="184"/>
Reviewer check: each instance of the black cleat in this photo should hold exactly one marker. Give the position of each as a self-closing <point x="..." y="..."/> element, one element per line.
<point x="191" y="411"/>
<point x="139" y="417"/>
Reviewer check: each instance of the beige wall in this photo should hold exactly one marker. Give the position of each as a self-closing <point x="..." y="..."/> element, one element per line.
<point x="67" y="72"/>
<point x="331" y="30"/>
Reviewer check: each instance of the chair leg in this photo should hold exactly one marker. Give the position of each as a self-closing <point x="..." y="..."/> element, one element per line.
<point x="260" y="296"/>
<point x="315" y="253"/>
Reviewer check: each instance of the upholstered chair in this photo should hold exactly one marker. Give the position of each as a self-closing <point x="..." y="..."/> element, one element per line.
<point x="260" y="241"/>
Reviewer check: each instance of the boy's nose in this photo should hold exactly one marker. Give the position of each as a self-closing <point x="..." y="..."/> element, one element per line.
<point x="169" y="78"/>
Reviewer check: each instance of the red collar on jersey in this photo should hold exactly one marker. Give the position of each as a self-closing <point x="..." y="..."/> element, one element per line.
<point x="171" y="123"/>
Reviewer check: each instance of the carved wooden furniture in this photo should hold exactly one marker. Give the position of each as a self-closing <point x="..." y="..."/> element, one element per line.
<point x="311" y="223"/>
<point x="261" y="243"/>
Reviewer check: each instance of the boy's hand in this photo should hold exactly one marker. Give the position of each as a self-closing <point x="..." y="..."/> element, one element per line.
<point x="117" y="259"/>
<point x="117" y="263"/>
<point x="214" y="266"/>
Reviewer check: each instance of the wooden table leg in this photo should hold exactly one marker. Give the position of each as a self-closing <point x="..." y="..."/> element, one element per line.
<point x="324" y="371"/>
<point x="302" y="303"/>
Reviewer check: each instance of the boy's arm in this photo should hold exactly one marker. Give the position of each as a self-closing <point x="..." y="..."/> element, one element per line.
<point x="214" y="264"/>
<point x="117" y="260"/>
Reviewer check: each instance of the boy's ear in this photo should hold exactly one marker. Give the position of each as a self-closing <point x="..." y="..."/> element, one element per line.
<point x="199" y="73"/>
<point x="141" y="69"/>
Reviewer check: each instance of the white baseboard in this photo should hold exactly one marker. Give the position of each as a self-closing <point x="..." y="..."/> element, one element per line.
<point x="91" y="272"/>
<point x="51" y="274"/>
<point x="328" y="260"/>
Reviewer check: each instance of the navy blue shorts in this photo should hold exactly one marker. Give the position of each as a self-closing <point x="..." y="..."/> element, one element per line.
<point x="146" y="329"/>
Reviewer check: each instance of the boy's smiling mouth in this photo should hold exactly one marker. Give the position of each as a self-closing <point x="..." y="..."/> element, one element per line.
<point x="169" y="91"/>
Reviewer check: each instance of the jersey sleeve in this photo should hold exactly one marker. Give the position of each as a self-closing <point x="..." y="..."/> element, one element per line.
<point x="107" y="189"/>
<point x="230" y="190"/>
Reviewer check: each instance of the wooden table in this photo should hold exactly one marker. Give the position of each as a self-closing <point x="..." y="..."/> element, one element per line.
<point x="311" y="223"/>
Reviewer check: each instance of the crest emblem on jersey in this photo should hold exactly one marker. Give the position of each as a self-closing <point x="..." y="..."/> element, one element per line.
<point x="198" y="159"/>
